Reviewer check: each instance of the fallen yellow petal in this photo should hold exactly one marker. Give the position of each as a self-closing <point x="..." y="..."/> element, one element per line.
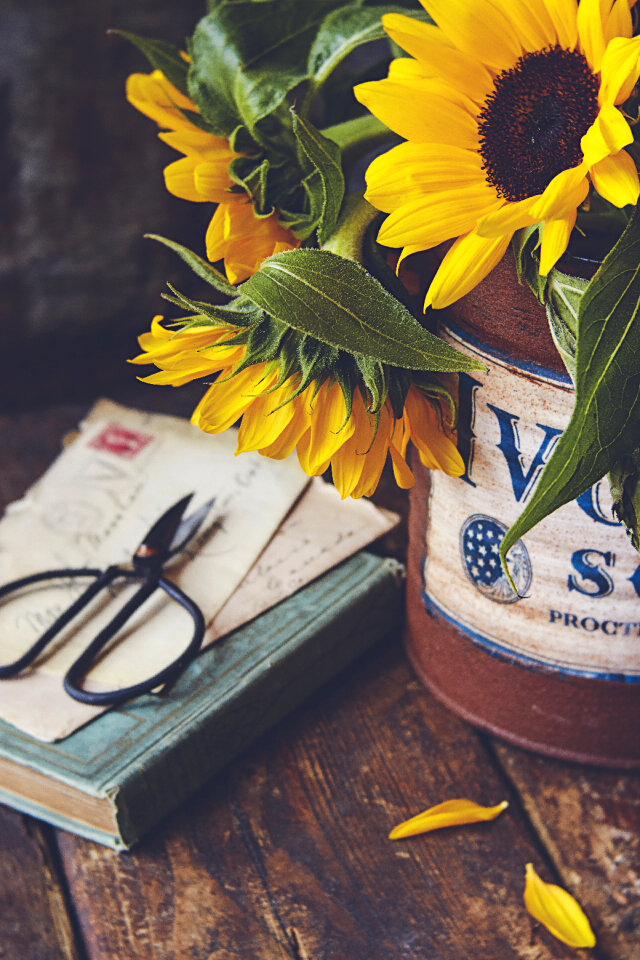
<point x="451" y="813"/>
<point x="557" y="910"/>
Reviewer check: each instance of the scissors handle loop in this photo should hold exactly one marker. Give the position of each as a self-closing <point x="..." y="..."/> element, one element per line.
<point x="102" y="580"/>
<point x="80" y="667"/>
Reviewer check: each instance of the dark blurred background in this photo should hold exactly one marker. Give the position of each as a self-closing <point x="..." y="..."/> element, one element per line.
<point x="80" y="182"/>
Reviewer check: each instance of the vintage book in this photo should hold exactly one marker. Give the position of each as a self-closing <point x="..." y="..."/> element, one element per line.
<point x="271" y="532"/>
<point x="118" y="776"/>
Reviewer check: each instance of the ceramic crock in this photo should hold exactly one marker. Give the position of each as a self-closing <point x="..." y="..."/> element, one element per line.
<point x="558" y="669"/>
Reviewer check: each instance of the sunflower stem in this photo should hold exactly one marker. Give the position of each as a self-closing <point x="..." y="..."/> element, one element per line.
<point x="361" y="133"/>
<point x="348" y="237"/>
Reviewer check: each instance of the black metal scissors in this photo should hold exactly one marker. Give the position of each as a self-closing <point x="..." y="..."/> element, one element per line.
<point x="167" y="537"/>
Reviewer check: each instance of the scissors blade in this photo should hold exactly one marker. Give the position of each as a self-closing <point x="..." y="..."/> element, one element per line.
<point x="188" y="528"/>
<point x="157" y="541"/>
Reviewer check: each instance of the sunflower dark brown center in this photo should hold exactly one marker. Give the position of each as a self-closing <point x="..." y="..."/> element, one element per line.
<point x="532" y="122"/>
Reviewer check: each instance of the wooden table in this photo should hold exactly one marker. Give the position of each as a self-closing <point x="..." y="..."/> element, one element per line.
<point x="284" y="855"/>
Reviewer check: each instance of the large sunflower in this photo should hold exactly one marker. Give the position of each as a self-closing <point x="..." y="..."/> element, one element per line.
<point x="277" y="417"/>
<point x="510" y="109"/>
<point x="235" y="234"/>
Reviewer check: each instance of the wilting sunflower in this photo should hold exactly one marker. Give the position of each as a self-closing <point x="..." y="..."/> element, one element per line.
<point x="510" y="109"/>
<point x="277" y="417"/>
<point x="234" y="234"/>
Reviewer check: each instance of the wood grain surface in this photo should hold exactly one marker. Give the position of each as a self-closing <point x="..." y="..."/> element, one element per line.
<point x="589" y="822"/>
<point x="285" y="855"/>
<point x="35" y="919"/>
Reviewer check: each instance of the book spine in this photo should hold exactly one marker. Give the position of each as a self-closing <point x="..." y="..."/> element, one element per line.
<point x="364" y="604"/>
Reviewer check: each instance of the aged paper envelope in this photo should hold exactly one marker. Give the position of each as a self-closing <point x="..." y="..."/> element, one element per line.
<point x="93" y="507"/>
<point x="319" y="532"/>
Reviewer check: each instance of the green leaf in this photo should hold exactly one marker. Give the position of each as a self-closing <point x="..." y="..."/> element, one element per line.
<point x="241" y="312"/>
<point x="562" y="298"/>
<point x="336" y="301"/>
<point x="324" y="158"/>
<point x="210" y="78"/>
<point x="375" y="380"/>
<point x="398" y="385"/>
<point x="199" y="266"/>
<point x="524" y="244"/>
<point x="247" y="56"/>
<point x="605" y="423"/>
<point x="316" y="361"/>
<point x="263" y="343"/>
<point x="359" y="135"/>
<point x="253" y="177"/>
<point x="346" y="29"/>
<point x="624" y="480"/>
<point x="161" y="55"/>
<point x="559" y="293"/>
<point x="241" y="141"/>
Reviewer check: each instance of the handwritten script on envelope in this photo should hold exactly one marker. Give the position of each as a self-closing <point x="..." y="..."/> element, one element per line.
<point x="94" y="505"/>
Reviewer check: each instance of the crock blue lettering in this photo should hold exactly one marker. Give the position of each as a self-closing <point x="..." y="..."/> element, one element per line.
<point x="578" y="578"/>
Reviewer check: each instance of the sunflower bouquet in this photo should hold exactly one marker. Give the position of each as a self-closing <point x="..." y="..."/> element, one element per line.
<point x="490" y="123"/>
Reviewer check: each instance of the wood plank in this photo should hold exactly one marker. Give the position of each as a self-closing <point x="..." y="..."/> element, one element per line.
<point x="589" y="822"/>
<point x="34" y="922"/>
<point x="285" y="855"/>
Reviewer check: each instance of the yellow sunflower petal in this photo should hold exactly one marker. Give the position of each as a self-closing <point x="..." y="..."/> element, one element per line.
<point x="153" y="95"/>
<point x="409" y="170"/>
<point x="303" y="449"/>
<point x="437" y="216"/>
<point x="416" y="116"/>
<point x="165" y="378"/>
<point x="402" y="472"/>
<point x="348" y="462"/>
<point x="591" y="31"/>
<point x="531" y="22"/>
<point x="478" y="29"/>
<point x="451" y="813"/>
<point x="566" y="192"/>
<point x="176" y="350"/>
<point x="555" y="240"/>
<point x="179" y="178"/>
<point x="437" y="451"/>
<point x="262" y="424"/>
<point x="557" y="910"/>
<point x="620" y="69"/>
<point x="292" y="434"/>
<point x="618" y="23"/>
<point x="375" y="458"/>
<point x="438" y="57"/>
<point x="243" y="239"/>
<point x="328" y="429"/>
<point x="188" y="365"/>
<point x="616" y="179"/>
<point x="466" y="263"/>
<point x="406" y="69"/>
<point x="510" y="217"/>
<point x="212" y="182"/>
<point x="193" y="140"/>
<point x="607" y="135"/>
<point x="564" y="14"/>
<point x="411" y="73"/>
<point x="217" y="232"/>
<point x="227" y="400"/>
<point x="407" y="252"/>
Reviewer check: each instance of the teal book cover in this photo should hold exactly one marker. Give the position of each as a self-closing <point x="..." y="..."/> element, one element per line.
<point x="115" y="778"/>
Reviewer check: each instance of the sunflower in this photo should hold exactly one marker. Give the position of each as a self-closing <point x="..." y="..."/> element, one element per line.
<point x="234" y="234"/>
<point x="278" y="417"/>
<point x="510" y="109"/>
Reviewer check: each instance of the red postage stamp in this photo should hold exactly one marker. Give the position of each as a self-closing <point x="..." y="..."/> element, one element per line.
<point x="121" y="441"/>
